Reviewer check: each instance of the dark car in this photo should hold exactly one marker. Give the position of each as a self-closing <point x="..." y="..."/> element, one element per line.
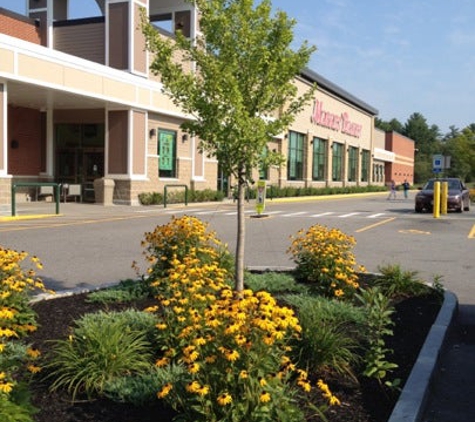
<point x="458" y="198"/>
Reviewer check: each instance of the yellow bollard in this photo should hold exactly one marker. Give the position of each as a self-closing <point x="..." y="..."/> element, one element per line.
<point x="444" y="193"/>
<point x="436" y="201"/>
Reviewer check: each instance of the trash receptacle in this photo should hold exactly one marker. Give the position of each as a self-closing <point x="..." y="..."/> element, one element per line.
<point x="104" y="191"/>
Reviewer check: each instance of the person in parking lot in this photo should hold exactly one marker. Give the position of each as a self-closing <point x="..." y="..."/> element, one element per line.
<point x="392" y="190"/>
<point x="406" y="187"/>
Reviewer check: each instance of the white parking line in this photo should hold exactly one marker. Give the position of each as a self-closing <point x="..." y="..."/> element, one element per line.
<point x="379" y="214"/>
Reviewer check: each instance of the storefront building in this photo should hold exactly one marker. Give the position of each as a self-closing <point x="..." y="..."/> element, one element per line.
<point x="78" y="104"/>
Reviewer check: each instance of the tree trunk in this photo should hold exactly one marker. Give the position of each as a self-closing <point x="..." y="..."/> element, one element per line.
<point x="241" y="235"/>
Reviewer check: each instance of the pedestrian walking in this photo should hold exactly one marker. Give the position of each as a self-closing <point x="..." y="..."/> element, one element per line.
<point x="392" y="190"/>
<point x="406" y="187"/>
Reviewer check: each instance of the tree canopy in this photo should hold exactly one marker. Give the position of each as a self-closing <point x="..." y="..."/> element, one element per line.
<point x="240" y="91"/>
<point x="457" y="144"/>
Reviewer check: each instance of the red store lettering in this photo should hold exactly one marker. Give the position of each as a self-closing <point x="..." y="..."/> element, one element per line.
<point x="349" y="127"/>
<point x="324" y="118"/>
<point x="333" y="121"/>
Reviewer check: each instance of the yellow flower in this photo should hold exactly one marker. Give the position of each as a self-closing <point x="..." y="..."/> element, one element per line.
<point x="6" y="387"/>
<point x="151" y="309"/>
<point x="224" y="399"/>
<point x="193" y="387"/>
<point x="200" y="341"/>
<point x="339" y="293"/>
<point x="6" y="313"/>
<point x="203" y="391"/>
<point x="194" y="368"/>
<point x="305" y="385"/>
<point x="232" y="356"/>
<point x="165" y="391"/>
<point x="243" y="374"/>
<point x="162" y="362"/>
<point x="264" y="397"/>
<point x="33" y="353"/>
<point x="6" y="332"/>
<point x="334" y="401"/>
<point x="34" y="369"/>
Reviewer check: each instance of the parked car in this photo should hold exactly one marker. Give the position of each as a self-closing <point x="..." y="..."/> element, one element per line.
<point x="458" y="198"/>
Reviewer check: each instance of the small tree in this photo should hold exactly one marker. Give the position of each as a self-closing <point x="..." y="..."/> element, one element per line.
<point x="241" y="92"/>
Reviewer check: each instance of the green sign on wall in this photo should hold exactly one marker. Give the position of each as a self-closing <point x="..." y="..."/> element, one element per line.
<point x="166" y="152"/>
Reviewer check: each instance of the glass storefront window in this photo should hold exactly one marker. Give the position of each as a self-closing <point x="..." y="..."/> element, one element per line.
<point x="352" y="164"/>
<point x="295" y="156"/>
<point x="337" y="159"/>
<point x="319" y="159"/>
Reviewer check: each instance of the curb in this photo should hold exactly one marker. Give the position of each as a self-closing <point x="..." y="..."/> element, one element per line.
<point x="413" y="398"/>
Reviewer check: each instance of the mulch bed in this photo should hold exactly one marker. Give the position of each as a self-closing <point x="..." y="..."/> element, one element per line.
<point x="366" y="402"/>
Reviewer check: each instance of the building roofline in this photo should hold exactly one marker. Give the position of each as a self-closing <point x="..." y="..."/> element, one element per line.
<point x="335" y="89"/>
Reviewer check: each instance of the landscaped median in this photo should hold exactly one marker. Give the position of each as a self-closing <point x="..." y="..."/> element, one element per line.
<point x="289" y="347"/>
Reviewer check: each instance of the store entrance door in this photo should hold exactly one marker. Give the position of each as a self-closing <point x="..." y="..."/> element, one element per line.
<point x="79" y="157"/>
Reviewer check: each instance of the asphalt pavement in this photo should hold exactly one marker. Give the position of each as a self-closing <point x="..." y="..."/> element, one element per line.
<point x="441" y="387"/>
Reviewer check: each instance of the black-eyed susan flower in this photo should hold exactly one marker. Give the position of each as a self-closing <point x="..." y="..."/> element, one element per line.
<point x="224" y="399"/>
<point x="165" y="391"/>
<point x="264" y="397"/>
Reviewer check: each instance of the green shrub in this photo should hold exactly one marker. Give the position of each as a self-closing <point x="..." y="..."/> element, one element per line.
<point x="140" y="389"/>
<point x="126" y="291"/>
<point x="379" y="311"/>
<point x="395" y="283"/>
<point x="206" y="195"/>
<point x="273" y="282"/>
<point x="151" y="198"/>
<point x="332" y="335"/>
<point x="176" y="196"/>
<point x="12" y="410"/>
<point x="472" y="195"/>
<point x="290" y="191"/>
<point x="103" y="346"/>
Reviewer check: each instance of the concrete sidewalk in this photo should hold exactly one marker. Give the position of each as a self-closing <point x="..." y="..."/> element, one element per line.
<point x="451" y="396"/>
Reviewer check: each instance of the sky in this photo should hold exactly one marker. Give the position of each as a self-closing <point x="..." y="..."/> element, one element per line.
<point x="399" y="56"/>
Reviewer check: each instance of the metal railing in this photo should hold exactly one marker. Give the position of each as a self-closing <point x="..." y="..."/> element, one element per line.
<point x="165" y="191"/>
<point x="56" y="194"/>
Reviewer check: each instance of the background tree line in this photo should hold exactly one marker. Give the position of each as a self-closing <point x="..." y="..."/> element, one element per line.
<point x="457" y="144"/>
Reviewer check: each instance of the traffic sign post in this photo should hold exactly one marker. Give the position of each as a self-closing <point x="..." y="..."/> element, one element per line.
<point x="437" y="163"/>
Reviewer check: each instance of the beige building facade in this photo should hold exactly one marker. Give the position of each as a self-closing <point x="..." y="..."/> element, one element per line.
<point x="78" y="104"/>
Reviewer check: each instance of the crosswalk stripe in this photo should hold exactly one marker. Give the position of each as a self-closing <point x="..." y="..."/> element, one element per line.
<point x="293" y="214"/>
<point x="323" y="214"/>
<point x="182" y="211"/>
<point x="235" y="212"/>
<point x="350" y="214"/>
